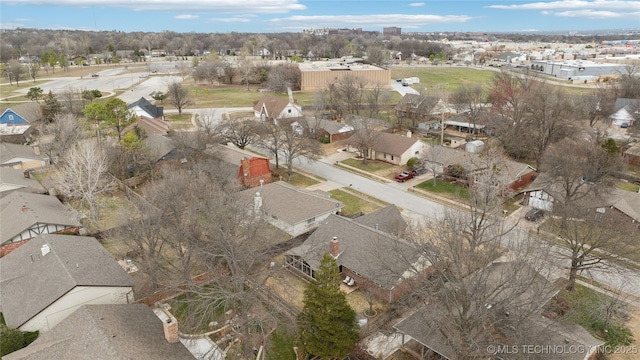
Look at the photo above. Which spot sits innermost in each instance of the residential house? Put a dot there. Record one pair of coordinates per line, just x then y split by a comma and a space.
25, 215
625, 111
129, 331
22, 156
254, 171
515, 174
620, 206
462, 124
160, 147
416, 107
377, 261
293, 210
51, 276
632, 154
271, 108
504, 303
150, 117
18, 180
322, 128
17, 123
391, 148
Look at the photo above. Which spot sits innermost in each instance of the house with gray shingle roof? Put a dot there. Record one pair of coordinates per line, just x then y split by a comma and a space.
379, 262
49, 277
625, 111
391, 148
18, 180
21, 156
130, 331
293, 210
150, 117
25, 215
322, 128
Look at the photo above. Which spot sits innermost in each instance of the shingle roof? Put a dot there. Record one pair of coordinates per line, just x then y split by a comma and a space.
22, 210
387, 219
331, 127
130, 331
393, 144
373, 254
417, 104
633, 150
153, 110
159, 146
10, 151
30, 281
289, 203
272, 105
15, 178
29, 111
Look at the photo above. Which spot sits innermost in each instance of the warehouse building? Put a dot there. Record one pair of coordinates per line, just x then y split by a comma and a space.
319, 75
576, 69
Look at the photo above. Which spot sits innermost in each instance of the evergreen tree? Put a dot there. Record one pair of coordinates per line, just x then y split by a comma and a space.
51, 107
327, 324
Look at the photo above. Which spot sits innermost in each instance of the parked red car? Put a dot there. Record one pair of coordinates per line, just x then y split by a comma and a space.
404, 176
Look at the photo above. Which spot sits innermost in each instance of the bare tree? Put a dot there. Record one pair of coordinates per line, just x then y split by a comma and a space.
578, 175
432, 160
364, 136
598, 106
350, 90
295, 146
470, 100
14, 71
209, 71
84, 178
377, 55
178, 96
376, 97
240, 132
57, 137
272, 139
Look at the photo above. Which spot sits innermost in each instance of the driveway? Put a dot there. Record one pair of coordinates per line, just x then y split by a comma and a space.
403, 90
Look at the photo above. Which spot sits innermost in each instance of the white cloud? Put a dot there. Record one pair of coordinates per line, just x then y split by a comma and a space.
224, 6
597, 14
574, 4
302, 22
417, 4
186, 17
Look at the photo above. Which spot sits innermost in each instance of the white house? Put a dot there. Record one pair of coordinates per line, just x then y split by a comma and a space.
49, 277
625, 111
271, 108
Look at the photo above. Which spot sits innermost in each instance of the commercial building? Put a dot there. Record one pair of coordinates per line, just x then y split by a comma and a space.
319, 75
576, 69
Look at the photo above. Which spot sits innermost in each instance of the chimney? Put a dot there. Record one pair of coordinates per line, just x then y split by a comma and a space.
27, 174
334, 247
170, 325
36, 150
409, 133
257, 203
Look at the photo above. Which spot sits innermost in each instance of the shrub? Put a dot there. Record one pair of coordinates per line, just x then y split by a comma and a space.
325, 140
412, 162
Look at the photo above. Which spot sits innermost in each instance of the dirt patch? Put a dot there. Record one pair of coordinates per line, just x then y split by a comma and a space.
634, 349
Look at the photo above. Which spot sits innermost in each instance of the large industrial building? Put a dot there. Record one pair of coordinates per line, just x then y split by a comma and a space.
319, 75
576, 69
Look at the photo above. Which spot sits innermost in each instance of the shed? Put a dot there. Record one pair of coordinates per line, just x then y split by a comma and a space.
476, 146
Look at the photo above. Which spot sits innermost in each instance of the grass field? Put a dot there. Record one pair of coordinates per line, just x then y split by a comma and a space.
448, 78
448, 190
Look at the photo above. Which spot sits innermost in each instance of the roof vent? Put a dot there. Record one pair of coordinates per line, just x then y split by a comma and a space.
45, 249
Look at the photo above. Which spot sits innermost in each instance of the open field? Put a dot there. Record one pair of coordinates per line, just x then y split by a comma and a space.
448, 78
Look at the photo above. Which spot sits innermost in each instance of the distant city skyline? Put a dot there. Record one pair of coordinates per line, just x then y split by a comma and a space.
269, 16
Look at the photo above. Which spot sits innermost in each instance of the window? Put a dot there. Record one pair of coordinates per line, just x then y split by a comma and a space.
11, 117
391, 157
384, 156
311, 220
289, 111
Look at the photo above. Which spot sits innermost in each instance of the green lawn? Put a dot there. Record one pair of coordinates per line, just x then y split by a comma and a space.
627, 186
353, 203
448, 190
585, 307
371, 166
450, 78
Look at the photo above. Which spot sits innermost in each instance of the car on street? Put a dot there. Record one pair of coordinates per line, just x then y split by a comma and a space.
534, 215
95, 75
404, 176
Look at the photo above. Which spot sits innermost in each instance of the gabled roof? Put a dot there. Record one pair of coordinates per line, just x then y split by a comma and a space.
373, 254
634, 150
393, 144
9, 152
30, 281
289, 203
159, 146
153, 126
123, 331
627, 104
15, 178
387, 219
21, 210
28, 113
331, 127
271, 106
417, 104
151, 110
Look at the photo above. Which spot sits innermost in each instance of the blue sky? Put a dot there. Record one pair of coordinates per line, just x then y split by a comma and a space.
294, 15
